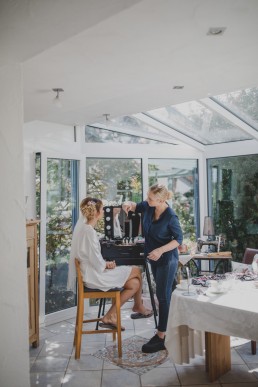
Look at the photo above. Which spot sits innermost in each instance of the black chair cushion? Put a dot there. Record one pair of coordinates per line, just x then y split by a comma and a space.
89, 290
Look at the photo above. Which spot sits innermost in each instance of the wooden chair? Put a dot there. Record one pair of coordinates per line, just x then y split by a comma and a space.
248, 259
83, 293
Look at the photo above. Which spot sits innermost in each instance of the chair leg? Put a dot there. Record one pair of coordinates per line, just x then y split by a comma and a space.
76, 325
253, 347
78, 329
104, 304
114, 333
99, 312
118, 313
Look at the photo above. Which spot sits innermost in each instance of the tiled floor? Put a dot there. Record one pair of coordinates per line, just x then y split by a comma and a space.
53, 363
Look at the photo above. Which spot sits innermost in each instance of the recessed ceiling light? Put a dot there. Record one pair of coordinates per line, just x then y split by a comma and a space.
178, 87
216, 30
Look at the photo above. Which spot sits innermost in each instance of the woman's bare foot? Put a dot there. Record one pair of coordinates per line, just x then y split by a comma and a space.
112, 322
141, 309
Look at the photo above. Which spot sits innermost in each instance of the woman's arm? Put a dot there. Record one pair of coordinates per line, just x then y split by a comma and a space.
176, 233
128, 206
155, 254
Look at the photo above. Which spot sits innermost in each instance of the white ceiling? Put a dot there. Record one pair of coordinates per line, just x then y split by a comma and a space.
125, 56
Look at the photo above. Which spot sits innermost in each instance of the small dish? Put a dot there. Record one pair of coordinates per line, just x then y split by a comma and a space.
216, 291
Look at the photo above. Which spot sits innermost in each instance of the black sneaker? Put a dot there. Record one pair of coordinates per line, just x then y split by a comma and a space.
154, 345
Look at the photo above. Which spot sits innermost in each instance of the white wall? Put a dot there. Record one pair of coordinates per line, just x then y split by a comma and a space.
14, 338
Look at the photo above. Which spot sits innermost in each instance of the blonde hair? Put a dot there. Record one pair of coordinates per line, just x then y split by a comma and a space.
161, 192
90, 207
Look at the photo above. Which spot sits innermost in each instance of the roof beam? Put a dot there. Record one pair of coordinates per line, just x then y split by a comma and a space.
149, 136
169, 130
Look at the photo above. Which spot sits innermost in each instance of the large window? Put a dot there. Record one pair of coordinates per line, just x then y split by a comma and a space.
61, 213
233, 193
114, 180
181, 177
61, 216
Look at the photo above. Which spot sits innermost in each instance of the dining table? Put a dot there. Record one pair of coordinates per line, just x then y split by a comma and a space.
214, 261
202, 319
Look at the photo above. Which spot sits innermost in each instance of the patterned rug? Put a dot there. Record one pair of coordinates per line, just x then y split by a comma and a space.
133, 358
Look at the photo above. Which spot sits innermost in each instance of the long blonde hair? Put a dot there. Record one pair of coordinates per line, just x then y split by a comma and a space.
90, 207
161, 192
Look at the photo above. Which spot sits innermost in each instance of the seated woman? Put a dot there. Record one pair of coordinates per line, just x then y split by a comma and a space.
96, 272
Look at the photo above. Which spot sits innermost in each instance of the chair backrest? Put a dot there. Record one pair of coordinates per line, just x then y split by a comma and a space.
79, 276
249, 255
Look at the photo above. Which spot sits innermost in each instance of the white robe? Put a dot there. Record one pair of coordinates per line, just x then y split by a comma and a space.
86, 247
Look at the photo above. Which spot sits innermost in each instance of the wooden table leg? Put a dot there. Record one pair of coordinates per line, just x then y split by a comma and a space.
217, 355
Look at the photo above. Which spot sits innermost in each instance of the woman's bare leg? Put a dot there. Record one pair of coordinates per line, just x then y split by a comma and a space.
138, 305
132, 288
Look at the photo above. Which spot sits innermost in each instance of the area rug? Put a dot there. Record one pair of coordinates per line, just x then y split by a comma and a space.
133, 359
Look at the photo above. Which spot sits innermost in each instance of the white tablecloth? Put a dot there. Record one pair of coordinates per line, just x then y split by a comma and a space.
234, 313
184, 258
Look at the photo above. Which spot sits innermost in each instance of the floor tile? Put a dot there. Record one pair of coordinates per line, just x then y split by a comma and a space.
120, 378
50, 363
125, 335
192, 375
53, 379
56, 349
110, 366
236, 358
253, 369
167, 363
245, 352
82, 378
35, 351
235, 384
86, 363
237, 374
44, 334
214, 384
90, 348
65, 337
160, 377
60, 327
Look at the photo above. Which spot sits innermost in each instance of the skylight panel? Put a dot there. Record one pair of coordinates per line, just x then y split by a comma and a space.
200, 123
242, 103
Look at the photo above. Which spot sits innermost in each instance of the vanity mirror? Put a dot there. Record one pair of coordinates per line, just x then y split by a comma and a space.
119, 226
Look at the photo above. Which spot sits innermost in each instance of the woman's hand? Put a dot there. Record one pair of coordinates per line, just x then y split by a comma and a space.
110, 264
128, 206
154, 255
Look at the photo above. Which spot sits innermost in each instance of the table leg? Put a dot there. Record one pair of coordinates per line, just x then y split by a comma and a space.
151, 294
225, 266
217, 355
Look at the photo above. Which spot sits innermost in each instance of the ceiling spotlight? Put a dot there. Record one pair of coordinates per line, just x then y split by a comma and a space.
56, 101
216, 30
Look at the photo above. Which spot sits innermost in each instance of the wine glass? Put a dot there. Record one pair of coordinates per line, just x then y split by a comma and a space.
188, 293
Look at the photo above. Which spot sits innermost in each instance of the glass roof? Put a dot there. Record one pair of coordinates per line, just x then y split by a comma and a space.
221, 121
243, 103
199, 122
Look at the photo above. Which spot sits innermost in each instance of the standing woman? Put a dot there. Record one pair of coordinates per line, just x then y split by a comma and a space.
98, 273
163, 235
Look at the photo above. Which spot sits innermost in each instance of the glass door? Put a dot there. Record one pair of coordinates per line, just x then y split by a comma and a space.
59, 204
